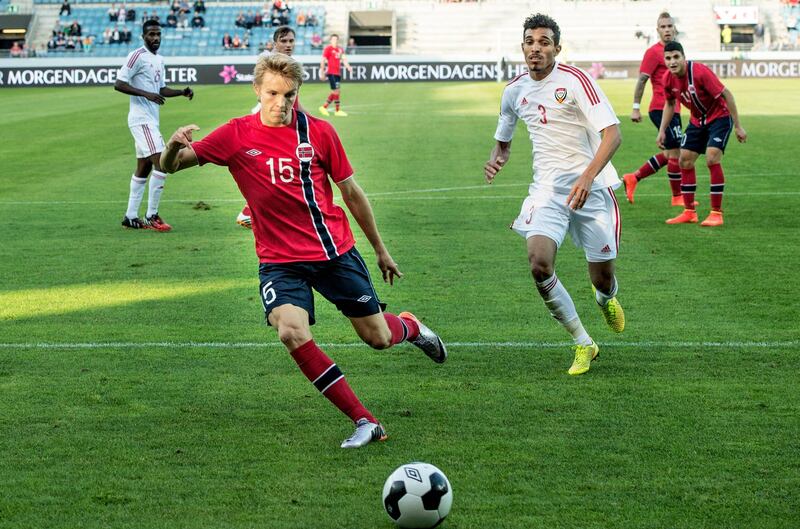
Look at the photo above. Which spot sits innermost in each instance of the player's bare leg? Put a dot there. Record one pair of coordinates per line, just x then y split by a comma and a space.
688, 188
157, 180
605, 293
138, 181
381, 331
294, 331
542, 257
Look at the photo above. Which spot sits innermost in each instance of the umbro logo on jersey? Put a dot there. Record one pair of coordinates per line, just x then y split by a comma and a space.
561, 94
304, 152
524, 101
364, 299
718, 140
253, 152
606, 249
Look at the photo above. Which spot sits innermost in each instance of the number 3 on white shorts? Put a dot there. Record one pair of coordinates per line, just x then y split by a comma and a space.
268, 294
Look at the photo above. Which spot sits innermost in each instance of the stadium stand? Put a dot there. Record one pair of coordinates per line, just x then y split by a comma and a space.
207, 41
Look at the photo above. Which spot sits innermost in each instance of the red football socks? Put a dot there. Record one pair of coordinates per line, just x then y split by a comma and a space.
402, 328
688, 187
717, 186
652, 165
674, 175
329, 380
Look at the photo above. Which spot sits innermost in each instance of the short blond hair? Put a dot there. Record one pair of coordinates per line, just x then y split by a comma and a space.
280, 64
664, 14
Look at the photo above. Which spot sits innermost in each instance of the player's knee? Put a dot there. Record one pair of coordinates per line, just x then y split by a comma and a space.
541, 269
686, 163
713, 159
293, 335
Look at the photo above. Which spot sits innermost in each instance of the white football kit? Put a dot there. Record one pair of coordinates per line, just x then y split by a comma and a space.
144, 70
564, 113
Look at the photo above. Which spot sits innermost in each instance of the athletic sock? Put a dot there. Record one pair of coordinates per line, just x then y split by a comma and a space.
402, 328
135, 196
688, 187
337, 103
329, 380
674, 175
157, 179
602, 298
557, 300
651, 166
330, 100
717, 186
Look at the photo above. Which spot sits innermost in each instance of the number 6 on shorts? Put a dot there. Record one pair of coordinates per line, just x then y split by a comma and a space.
268, 294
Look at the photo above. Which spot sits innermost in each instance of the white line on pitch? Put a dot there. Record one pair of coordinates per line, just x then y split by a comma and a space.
501, 345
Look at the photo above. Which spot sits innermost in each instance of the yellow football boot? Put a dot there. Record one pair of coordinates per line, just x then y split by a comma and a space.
584, 354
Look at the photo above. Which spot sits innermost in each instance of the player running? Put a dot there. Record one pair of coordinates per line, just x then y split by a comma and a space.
143, 78
714, 114
284, 39
282, 161
334, 56
653, 69
575, 133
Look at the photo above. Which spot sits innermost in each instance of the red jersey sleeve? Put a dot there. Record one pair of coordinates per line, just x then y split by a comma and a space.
334, 159
218, 147
649, 62
327, 52
709, 81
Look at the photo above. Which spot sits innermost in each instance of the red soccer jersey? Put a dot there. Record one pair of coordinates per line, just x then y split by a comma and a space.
703, 97
334, 57
283, 173
653, 65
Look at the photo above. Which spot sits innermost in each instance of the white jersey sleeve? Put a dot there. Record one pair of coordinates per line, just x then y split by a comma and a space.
507, 121
594, 104
129, 67
163, 82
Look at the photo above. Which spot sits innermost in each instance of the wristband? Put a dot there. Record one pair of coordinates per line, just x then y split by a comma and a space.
636, 106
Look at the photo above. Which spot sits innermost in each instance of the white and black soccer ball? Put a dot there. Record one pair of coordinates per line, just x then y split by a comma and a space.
417, 496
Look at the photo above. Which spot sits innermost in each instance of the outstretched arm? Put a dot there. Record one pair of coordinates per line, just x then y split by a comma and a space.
741, 135
497, 159
638, 92
171, 92
125, 88
610, 141
358, 204
178, 154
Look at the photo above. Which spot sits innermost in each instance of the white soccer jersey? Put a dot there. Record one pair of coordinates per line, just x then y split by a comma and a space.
143, 70
565, 113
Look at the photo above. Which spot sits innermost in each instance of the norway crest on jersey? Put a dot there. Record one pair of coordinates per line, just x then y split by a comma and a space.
304, 152
561, 94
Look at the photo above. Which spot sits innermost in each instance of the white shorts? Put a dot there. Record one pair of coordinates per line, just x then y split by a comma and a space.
148, 140
595, 227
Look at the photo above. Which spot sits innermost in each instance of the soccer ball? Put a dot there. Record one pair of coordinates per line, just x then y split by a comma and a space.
417, 496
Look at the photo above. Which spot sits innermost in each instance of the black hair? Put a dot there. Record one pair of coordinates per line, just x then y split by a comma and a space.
543, 21
148, 24
674, 46
281, 31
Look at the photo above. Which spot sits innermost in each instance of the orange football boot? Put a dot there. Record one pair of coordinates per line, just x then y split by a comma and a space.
689, 216
630, 182
714, 219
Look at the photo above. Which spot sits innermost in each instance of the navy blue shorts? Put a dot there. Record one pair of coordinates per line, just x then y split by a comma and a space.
674, 131
334, 81
714, 134
344, 281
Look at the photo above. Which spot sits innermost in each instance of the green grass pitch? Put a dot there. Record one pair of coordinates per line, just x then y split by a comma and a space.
113, 413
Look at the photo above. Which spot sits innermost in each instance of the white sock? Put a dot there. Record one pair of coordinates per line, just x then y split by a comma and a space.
603, 298
157, 179
562, 308
135, 196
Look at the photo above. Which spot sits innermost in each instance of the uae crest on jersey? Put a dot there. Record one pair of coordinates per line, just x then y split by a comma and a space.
304, 152
561, 94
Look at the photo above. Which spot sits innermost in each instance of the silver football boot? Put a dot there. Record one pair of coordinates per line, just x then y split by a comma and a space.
428, 341
365, 433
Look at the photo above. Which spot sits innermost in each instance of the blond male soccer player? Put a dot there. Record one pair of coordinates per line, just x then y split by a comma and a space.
653, 69
575, 133
284, 162
714, 116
